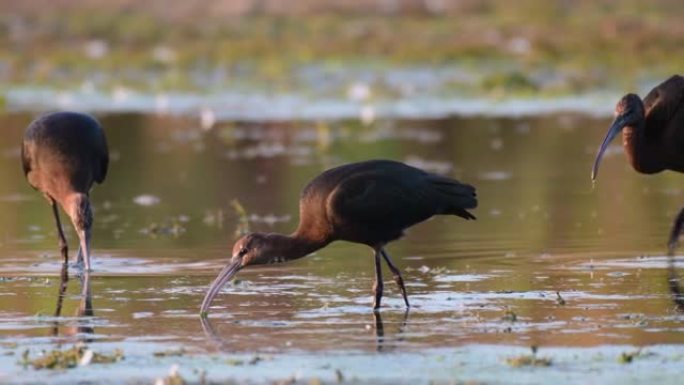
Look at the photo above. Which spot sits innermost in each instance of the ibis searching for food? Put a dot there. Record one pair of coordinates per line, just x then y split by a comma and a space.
63, 155
370, 203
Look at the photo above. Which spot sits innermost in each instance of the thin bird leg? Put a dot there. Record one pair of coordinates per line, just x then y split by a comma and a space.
377, 287
674, 233
397, 276
63, 247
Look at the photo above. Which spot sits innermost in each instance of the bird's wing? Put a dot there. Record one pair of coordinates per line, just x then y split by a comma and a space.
374, 198
104, 160
663, 102
104, 165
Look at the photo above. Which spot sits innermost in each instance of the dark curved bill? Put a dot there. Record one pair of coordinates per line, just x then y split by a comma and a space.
614, 129
224, 276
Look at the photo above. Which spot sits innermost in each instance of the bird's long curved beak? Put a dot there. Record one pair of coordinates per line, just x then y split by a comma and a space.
613, 131
224, 276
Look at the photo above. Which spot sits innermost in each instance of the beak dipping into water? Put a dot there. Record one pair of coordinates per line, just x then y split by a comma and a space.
224, 276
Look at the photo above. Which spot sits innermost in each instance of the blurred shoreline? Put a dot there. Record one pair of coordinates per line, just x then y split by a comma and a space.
359, 52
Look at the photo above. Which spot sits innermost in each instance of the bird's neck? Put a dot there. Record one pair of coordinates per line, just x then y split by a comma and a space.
77, 206
640, 152
290, 247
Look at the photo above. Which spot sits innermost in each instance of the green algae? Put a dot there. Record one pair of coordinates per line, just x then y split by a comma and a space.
78, 355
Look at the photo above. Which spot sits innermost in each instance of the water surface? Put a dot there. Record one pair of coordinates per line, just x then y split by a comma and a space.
578, 271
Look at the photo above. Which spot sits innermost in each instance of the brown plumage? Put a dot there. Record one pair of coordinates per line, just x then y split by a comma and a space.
370, 202
652, 134
63, 155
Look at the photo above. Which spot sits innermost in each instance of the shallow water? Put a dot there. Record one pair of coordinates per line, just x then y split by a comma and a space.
550, 262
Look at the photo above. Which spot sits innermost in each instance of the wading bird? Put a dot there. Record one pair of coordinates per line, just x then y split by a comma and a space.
63, 154
370, 203
652, 135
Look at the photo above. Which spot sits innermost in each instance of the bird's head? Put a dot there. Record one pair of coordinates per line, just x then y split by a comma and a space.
257, 249
629, 111
251, 249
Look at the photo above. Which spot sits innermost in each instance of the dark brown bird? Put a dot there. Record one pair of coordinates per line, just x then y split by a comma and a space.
63, 154
652, 134
370, 202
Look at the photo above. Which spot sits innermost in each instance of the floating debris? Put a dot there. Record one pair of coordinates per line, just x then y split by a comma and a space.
252, 361
146, 200
269, 219
560, 300
173, 228
628, 357
528, 360
269, 150
174, 377
509, 315
358, 92
78, 355
207, 118
170, 352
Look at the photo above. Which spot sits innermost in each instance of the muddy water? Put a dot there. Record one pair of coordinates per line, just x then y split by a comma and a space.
551, 261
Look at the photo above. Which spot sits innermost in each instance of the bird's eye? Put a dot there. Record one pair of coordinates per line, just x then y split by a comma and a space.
243, 251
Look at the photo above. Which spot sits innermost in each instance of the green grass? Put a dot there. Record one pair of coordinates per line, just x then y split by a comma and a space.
591, 41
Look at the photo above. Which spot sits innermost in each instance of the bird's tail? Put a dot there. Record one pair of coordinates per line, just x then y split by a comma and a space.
459, 196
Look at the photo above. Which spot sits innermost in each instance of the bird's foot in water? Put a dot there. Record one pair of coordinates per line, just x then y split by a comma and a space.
81, 269
672, 247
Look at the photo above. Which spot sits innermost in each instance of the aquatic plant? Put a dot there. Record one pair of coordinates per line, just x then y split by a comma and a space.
78, 355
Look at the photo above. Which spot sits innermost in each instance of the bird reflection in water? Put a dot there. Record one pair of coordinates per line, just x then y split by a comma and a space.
673, 283
382, 341
85, 307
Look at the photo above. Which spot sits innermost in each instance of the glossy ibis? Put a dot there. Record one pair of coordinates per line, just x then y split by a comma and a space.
369, 202
652, 134
63, 154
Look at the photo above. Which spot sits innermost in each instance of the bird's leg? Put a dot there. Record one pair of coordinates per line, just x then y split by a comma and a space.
674, 233
63, 247
377, 287
79, 257
397, 276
